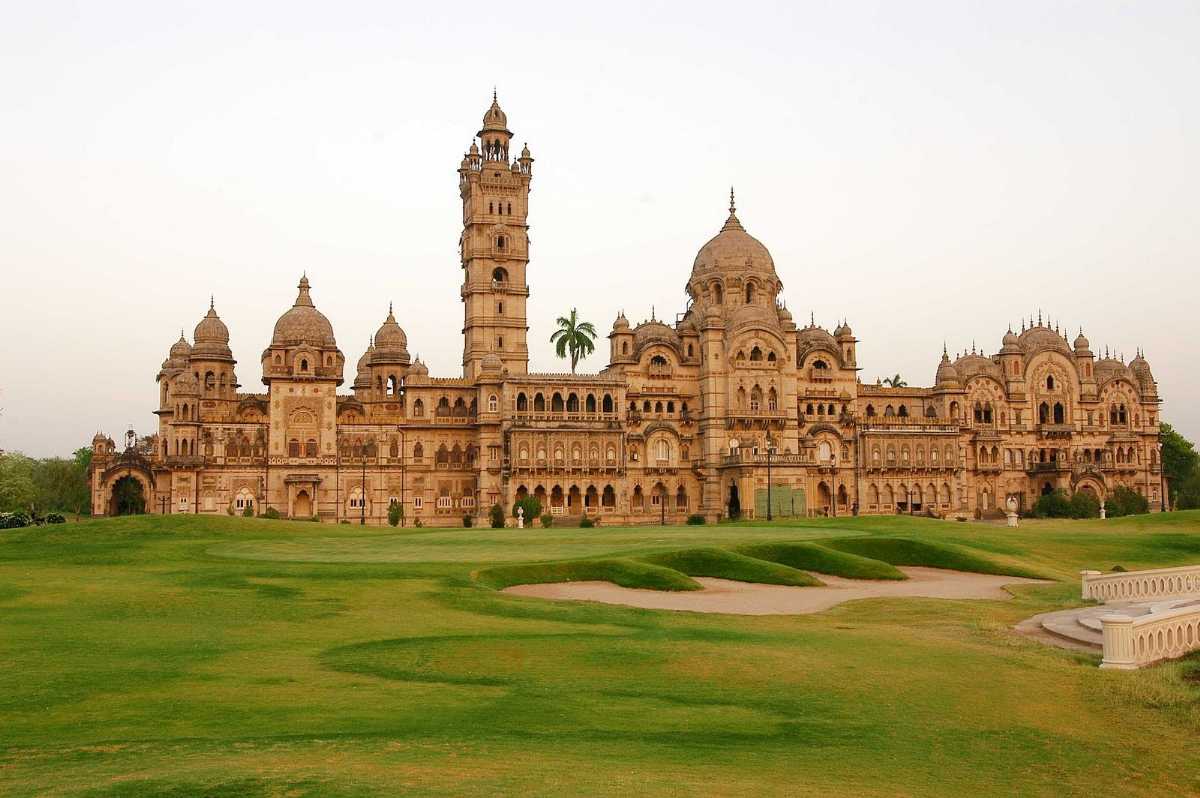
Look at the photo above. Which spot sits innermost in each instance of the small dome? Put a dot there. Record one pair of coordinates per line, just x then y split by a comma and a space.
947, 375
843, 331
621, 322
181, 349
525, 151
1082, 344
494, 118
1010, 344
303, 323
212, 336
784, 314
391, 344
362, 379
419, 368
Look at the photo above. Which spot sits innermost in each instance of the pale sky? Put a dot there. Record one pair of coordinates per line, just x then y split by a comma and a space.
930, 171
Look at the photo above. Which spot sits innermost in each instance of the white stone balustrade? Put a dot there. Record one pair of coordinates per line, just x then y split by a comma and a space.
1156, 614
1132, 642
1160, 583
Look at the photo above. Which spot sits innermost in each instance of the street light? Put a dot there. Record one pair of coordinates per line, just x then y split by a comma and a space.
1162, 477
362, 498
770, 451
833, 479
403, 446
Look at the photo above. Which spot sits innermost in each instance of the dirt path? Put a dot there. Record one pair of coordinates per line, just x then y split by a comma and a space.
744, 598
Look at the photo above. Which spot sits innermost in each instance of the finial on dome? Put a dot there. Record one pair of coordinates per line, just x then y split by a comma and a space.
732, 206
494, 93
652, 317
812, 319
303, 298
1039, 317
212, 301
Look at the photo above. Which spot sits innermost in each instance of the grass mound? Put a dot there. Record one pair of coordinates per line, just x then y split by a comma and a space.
903, 551
812, 557
619, 571
725, 564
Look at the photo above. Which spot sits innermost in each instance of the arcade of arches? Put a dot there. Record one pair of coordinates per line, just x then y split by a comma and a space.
691, 416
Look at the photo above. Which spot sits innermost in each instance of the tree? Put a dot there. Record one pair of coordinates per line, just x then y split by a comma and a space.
1125, 501
533, 508
496, 516
17, 490
574, 337
895, 382
395, 513
1180, 461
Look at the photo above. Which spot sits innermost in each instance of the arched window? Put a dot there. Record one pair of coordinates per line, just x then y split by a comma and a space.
756, 355
1050, 382
1044, 413
499, 275
303, 364
589, 404
772, 401
556, 403
771, 357
572, 403
522, 402
418, 408
607, 405
539, 403
749, 293
756, 399
1059, 413
493, 403
741, 398
903, 411
500, 242
310, 448
718, 294
870, 411
889, 411
293, 448
664, 451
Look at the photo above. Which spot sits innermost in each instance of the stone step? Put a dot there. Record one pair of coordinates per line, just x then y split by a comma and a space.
1066, 624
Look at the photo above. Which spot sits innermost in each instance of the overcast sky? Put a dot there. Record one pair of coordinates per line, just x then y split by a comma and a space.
930, 171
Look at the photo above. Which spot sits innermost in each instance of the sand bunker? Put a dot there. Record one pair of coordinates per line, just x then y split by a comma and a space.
744, 598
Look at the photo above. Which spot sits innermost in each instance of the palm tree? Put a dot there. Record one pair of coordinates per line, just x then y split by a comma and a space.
895, 382
574, 337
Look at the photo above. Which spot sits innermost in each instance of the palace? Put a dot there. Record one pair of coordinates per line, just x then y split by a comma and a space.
734, 410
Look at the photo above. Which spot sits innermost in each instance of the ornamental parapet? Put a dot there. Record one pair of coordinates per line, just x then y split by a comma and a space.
1141, 585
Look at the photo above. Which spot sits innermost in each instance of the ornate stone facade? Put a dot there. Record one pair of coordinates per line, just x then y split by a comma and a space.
733, 409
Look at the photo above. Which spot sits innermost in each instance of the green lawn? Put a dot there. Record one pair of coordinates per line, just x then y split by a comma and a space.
194, 656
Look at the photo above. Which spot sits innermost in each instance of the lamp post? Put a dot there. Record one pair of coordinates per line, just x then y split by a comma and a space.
770, 451
403, 446
362, 498
833, 479
1162, 477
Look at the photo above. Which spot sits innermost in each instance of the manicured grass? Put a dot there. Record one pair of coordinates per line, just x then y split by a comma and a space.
904, 551
725, 564
217, 656
824, 560
623, 572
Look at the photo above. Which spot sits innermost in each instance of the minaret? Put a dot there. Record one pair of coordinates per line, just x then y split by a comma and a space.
494, 247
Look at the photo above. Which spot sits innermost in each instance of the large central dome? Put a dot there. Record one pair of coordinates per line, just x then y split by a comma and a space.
303, 323
734, 252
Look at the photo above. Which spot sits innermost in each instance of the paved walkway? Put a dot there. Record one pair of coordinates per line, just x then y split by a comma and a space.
1080, 628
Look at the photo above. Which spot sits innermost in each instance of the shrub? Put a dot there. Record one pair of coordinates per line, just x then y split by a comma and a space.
248, 512
496, 516
316, 519
229, 509
395, 513
533, 508
1125, 501
585, 523
695, 519
1118, 569
1053, 505
1084, 505
271, 512
344, 521
417, 523
468, 520
55, 518
547, 520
